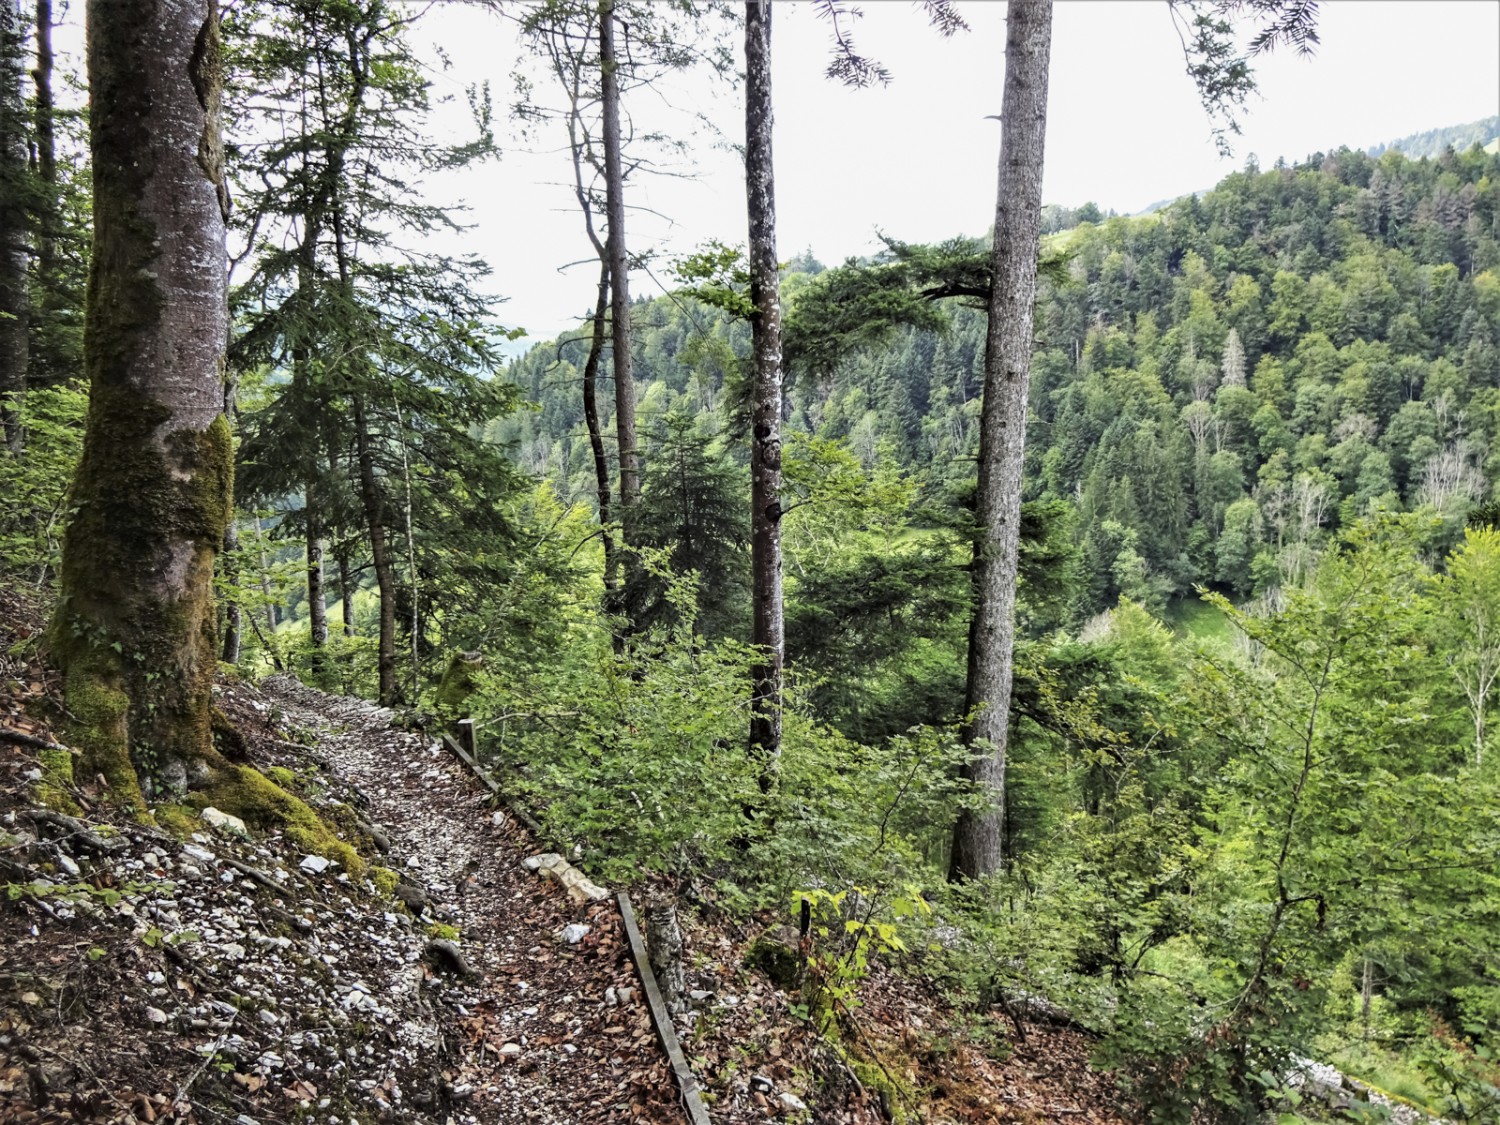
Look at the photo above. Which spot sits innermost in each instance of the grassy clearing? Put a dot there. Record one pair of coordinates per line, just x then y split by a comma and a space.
1199, 621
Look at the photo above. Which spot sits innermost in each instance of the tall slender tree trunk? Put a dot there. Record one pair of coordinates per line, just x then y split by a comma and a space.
47, 366
135, 626
229, 652
15, 225
978, 838
619, 276
45, 114
317, 599
267, 595
576, 145
768, 632
312, 500
380, 555
596, 439
346, 592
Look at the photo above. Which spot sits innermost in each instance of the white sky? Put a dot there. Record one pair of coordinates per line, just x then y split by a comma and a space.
917, 159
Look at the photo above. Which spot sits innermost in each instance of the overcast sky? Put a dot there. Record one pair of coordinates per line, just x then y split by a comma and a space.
918, 158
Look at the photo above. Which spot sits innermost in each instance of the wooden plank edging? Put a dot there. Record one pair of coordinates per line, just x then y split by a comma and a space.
692, 1099
661, 1019
492, 785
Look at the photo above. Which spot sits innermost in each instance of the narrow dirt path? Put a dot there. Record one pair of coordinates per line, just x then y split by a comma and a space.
555, 1032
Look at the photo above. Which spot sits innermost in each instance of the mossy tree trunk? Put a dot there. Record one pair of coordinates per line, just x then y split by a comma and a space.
134, 630
15, 223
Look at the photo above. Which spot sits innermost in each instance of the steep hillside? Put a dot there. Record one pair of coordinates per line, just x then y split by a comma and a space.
1215, 387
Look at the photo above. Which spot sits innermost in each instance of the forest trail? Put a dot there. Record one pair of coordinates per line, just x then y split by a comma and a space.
547, 1035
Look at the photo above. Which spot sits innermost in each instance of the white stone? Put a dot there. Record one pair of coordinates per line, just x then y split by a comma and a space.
315, 864
573, 933
224, 822
793, 1103
156, 1015
202, 855
510, 1050
69, 864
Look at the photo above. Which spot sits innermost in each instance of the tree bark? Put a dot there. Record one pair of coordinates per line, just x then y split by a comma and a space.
768, 633
230, 651
619, 276
596, 439
346, 592
664, 951
317, 600
15, 225
380, 555
134, 630
978, 838
49, 365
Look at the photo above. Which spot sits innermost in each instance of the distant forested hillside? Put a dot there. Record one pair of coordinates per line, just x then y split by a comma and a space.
1217, 386
1460, 138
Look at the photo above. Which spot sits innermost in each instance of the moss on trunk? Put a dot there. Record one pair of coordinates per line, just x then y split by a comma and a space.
140, 655
458, 685
55, 787
135, 626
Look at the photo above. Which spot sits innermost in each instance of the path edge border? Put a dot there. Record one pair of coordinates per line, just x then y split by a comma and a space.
687, 1084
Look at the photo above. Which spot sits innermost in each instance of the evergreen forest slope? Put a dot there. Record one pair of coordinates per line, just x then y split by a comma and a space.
1217, 387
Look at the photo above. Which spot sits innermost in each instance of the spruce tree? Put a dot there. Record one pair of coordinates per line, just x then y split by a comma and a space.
385, 343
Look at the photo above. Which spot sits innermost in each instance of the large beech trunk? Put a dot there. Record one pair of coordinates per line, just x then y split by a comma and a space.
768, 632
978, 838
134, 630
619, 277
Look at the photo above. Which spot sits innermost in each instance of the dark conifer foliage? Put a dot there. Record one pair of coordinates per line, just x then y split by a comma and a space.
376, 347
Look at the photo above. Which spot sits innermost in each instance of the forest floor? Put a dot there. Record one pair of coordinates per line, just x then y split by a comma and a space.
204, 975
